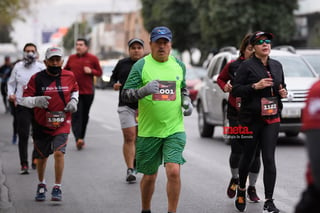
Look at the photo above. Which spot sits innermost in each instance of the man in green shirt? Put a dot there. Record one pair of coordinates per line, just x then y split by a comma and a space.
157, 81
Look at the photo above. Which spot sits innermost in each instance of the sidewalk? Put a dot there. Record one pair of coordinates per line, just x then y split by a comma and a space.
5, 137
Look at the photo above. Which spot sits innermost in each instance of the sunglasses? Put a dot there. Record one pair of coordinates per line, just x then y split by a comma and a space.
261, 41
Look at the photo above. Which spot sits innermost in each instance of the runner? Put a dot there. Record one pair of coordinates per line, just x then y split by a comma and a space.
53, 93
128, 111
157, 82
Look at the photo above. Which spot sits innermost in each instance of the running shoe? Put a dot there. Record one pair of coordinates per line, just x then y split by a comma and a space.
240, 202
131, 178
252, 194
232, 187
41, 192
270, 207
56, 194
24, 170
14, 139
80, 144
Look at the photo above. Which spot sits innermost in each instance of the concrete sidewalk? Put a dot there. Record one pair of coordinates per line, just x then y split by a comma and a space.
5, 140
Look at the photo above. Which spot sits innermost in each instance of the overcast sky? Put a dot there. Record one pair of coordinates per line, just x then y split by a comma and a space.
50, 14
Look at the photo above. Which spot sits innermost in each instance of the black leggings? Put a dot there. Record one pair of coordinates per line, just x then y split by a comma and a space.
24, 119
4, 91
265, 136
237, 149
81, 117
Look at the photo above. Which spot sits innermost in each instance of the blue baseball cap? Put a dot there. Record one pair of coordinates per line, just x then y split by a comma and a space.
160, 32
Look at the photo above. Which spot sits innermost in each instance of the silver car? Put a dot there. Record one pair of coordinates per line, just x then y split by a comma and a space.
212, 101
312, 56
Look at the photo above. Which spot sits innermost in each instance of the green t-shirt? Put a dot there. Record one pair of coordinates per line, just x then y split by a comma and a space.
160, 115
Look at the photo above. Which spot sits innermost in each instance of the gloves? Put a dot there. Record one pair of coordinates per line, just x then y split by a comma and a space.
41, 101
72, 106
151, 88
187, 105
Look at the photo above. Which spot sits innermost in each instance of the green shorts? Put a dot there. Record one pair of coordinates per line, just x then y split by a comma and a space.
151, 151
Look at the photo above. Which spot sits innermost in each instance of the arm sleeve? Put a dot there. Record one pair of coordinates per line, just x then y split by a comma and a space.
114, 77
28, 99
75, 90
96, 71
12, 84
223, 77
129, 93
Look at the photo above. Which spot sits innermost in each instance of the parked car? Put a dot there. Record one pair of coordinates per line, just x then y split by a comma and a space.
312, 56
212, 101
107, 66
194, 77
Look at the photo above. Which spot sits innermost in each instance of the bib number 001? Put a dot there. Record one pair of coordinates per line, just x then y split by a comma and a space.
167, 91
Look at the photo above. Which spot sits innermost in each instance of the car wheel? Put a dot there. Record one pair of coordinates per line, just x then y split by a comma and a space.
225, 124
205, 129
292, 134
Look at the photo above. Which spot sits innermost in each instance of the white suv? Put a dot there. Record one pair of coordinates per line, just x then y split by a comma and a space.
312, 56
212, 101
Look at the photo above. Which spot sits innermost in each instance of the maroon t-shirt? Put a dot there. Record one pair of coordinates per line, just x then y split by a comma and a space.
311, 112
59, 88
76, 64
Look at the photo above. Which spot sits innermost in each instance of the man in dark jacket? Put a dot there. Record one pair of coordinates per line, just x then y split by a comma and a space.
128, 111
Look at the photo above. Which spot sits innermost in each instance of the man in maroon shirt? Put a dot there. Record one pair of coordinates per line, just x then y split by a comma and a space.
53, 95
84, 66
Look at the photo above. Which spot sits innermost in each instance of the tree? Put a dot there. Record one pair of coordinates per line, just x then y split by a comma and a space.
68, 39
209, 24
179, 16
10, 11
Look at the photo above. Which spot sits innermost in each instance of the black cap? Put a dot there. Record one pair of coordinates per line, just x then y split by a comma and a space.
135, 40
258, 34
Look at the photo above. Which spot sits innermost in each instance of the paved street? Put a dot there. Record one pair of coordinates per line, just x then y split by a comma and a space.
94, 178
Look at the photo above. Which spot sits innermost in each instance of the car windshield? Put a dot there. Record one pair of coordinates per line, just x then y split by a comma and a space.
294, 66
314, 61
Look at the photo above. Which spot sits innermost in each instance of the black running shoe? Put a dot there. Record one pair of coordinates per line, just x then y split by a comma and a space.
240, 202
269, 207
252, 194
41, 192
131, 177
56, 194
232, 187
24, 170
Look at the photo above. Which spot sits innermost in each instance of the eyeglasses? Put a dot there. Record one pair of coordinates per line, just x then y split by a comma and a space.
261, 41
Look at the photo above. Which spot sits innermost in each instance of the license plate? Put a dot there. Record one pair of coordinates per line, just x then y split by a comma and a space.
291, 113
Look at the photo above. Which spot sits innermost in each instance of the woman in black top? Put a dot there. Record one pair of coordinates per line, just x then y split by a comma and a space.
260, 83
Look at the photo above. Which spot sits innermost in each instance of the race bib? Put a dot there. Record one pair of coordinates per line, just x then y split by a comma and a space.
55, 119
269, 106
167, 91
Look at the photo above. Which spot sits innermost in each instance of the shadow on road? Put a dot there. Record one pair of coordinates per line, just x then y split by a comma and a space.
292, 141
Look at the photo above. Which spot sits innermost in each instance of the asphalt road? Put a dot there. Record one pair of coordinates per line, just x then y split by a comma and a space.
94, 178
